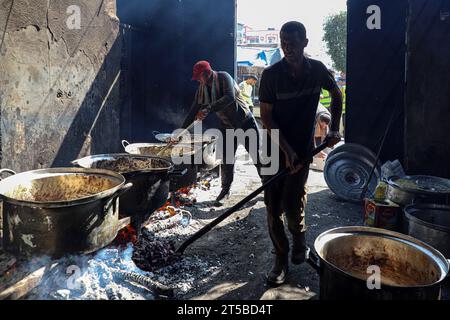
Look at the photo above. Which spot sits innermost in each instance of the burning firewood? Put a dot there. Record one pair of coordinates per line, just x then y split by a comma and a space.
169, 218
125, 236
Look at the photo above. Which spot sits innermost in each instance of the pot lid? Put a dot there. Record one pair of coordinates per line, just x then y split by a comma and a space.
347, 172
355, 149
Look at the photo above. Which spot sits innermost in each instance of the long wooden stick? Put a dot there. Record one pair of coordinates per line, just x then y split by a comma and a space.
241, 203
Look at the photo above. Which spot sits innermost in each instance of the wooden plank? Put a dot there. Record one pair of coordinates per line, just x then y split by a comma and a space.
20, 288
6, 263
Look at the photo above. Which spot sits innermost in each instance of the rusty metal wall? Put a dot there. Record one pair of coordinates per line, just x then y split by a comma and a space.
59, 81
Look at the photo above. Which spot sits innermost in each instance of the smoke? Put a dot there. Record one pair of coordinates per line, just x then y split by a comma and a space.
173, 116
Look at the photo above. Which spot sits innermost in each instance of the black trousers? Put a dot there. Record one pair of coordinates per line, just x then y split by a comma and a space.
228, 168
287, 195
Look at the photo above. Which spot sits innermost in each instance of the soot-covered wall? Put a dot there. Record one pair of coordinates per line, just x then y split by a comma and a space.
59, 81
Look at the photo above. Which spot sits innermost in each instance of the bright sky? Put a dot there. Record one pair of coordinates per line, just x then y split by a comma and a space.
263, 14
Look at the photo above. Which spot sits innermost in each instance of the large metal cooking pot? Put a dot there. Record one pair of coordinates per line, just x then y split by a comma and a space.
61, 211
429, 223
178, 151
409, 190
410, 269
208, 144
150, 178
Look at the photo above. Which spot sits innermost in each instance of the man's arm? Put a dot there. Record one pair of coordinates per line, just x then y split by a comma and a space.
335, 108
270, 124
336, 111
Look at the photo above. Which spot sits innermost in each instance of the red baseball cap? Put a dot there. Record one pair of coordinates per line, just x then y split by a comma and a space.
199, 68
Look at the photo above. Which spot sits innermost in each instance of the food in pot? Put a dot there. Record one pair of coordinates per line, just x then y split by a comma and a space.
130, 164
175, 151
65, 187
399, 265
193, 138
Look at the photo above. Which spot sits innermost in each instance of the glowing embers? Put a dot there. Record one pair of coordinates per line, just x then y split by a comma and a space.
152, 253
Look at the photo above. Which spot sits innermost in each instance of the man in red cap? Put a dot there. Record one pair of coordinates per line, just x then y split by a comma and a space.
219, 93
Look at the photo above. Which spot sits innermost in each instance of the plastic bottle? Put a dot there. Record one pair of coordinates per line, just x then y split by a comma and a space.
380, 191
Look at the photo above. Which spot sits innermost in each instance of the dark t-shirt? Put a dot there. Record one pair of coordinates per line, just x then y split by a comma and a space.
295, 101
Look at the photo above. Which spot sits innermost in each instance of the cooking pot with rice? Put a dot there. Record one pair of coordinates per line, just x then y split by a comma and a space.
207, 142
185, 157
375, 264
149, 175
61, 210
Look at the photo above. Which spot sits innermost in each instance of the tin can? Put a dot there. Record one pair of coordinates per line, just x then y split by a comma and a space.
382, 214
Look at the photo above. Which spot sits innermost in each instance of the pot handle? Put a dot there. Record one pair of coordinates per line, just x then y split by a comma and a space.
125, 143
11, 172
123, 223
314, 260
177, 172
155, 133
123, 189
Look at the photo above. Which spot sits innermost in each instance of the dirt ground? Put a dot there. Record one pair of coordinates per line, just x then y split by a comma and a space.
242, 245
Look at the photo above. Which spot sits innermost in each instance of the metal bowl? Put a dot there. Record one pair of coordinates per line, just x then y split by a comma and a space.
430, 223
409, 190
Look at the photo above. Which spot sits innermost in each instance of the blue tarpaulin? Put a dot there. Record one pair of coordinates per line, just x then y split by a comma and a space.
247, 56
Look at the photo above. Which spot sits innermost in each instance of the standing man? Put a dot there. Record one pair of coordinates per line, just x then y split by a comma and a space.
289, 95
246, 88
219, 93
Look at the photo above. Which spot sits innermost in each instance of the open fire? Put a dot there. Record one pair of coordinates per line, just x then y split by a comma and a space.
129, 268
